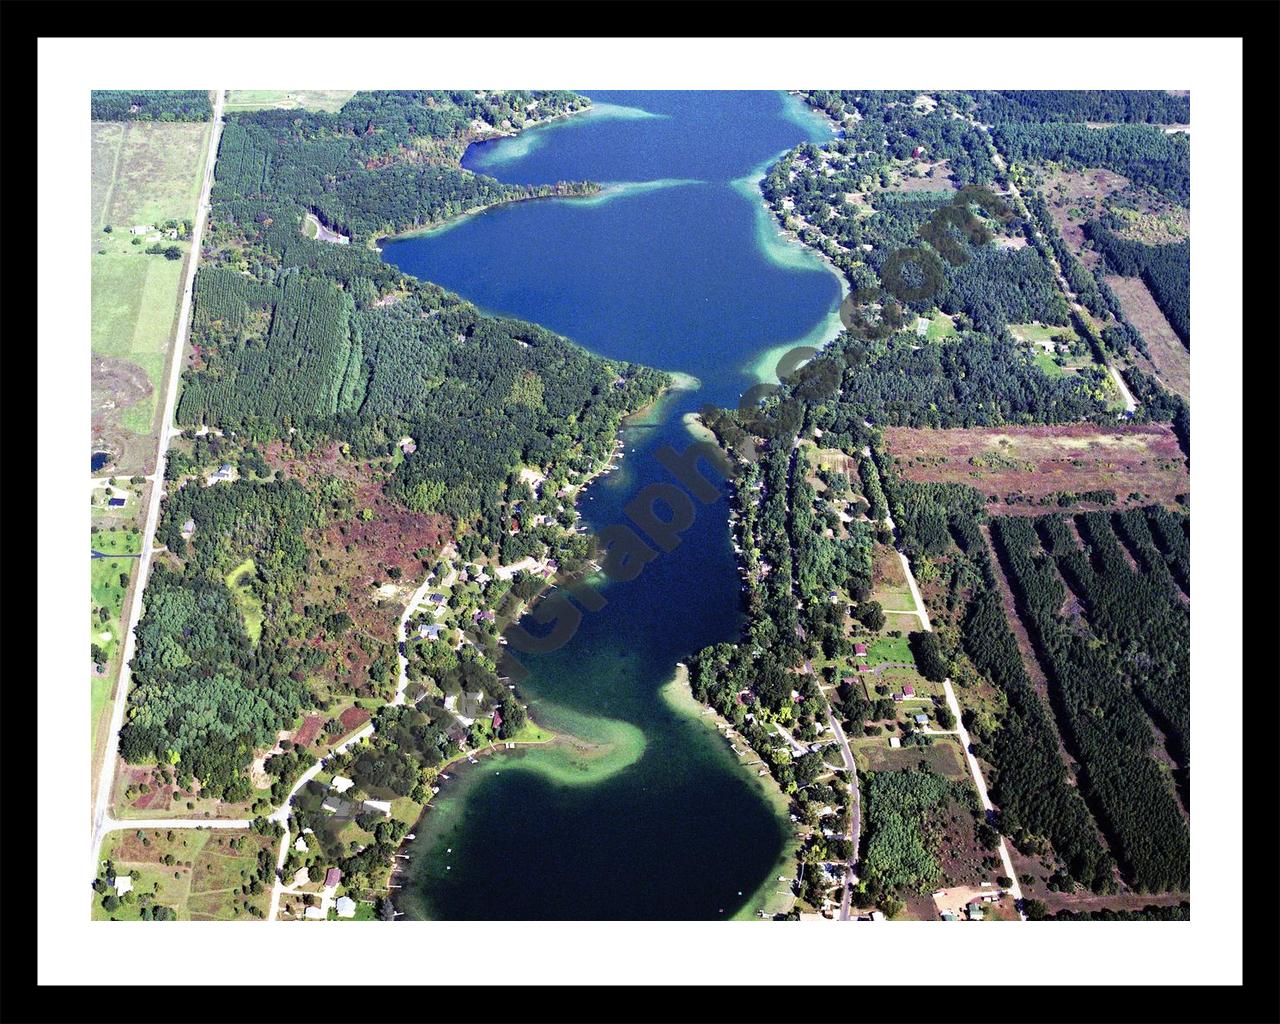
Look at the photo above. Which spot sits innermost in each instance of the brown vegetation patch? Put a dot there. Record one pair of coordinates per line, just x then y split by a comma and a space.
353, 718
1016, 467
935, 179
1074, 197
308, 731
369, 557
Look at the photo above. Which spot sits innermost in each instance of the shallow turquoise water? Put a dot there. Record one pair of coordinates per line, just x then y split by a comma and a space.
678, 268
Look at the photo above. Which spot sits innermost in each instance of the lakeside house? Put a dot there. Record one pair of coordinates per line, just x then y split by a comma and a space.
382, 806
497, 719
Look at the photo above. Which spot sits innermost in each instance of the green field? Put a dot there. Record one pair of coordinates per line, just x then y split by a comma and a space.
240, 580
116, 542
142, 174
106, 591
888, 648
290, 99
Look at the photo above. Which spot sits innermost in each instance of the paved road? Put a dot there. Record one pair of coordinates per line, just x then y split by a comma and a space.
855, 817
106, 774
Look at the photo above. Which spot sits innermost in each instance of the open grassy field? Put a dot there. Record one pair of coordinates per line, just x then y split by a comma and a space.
1035, 462
888, 581
142, 174
1169, 357
291, 99
205, 880
239, 580
107, 590
943, 755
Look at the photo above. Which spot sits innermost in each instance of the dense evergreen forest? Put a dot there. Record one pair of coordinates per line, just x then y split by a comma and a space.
1129, 106
1038, 803
1166, 269
330, 341
150, 105
1142, 153
386, 162
1101, 688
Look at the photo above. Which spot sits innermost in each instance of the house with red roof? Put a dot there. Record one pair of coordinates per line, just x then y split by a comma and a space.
332, 877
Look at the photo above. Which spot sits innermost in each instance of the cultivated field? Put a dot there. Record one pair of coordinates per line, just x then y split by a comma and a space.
293, 99
1169, 357
143, 174
1018, 467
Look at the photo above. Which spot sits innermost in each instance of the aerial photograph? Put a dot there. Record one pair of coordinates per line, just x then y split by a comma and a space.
542, 505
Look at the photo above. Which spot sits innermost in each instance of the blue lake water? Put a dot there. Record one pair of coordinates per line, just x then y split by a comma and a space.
678, 265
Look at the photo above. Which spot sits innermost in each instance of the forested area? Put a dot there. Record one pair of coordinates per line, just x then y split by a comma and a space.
303, 346
1142, 153
1166, 270
903, 834
1151, 106
150, 105
386, 162
202, 697
1109, 727
1037, 802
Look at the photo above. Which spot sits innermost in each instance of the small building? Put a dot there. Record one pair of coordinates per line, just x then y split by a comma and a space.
948, 916
917, 152
140, 229
115, 502
922, 719
896, 696
497, 719
345, 906
300, 845
124, 884
314, 914
431, 631
975, 911
894, 743
877, 915
382, 806
332, 877
908, 691
436, 599
863, 667
301, 877
860, 650
922, 326
340, 784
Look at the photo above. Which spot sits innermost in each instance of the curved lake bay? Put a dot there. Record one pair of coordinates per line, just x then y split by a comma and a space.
641, 811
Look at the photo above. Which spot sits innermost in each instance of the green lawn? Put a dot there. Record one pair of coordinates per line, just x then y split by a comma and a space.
107, 591
240, 580
888, 648
116, 542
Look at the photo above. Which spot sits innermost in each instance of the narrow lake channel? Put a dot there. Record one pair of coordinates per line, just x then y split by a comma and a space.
678, 265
